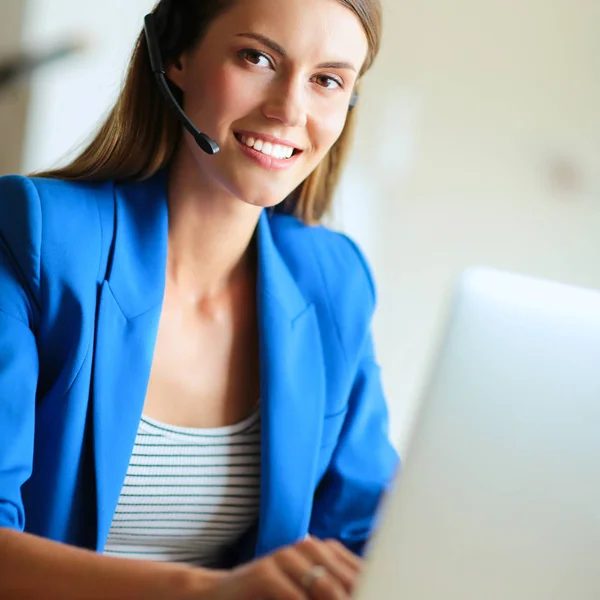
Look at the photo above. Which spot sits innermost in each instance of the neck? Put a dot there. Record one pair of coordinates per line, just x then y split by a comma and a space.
210, 234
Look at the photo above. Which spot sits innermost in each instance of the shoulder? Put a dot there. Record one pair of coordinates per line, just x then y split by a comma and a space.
50, 228
341, 262
332, 273
53, 195
28, 200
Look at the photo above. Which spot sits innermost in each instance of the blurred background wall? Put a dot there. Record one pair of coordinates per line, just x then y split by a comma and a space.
479, 142
14, 101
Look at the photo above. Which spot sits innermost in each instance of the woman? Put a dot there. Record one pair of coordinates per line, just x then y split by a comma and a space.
186, 366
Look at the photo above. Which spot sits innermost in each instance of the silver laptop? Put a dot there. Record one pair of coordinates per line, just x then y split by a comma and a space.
499, 496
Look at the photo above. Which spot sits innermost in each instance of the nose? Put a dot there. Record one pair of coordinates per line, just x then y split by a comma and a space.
286, 103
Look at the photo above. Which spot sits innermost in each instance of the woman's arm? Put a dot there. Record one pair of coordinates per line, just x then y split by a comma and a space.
362, 466
32, 568
364, 461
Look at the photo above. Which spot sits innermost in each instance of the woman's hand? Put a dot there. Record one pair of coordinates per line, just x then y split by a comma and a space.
311, 569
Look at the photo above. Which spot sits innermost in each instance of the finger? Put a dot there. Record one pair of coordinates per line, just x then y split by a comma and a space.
294, 563
318, 553
267, 581
353, 561
298, 566
327, 587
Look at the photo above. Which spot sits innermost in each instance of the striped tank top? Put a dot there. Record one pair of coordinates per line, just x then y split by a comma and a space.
189, 494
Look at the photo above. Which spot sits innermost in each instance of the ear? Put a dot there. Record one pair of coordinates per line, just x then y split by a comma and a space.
176, 71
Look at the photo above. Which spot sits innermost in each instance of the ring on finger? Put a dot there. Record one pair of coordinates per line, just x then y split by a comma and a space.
314, 573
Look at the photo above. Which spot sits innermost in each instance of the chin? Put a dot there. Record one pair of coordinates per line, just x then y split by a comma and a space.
261, 200
262, 196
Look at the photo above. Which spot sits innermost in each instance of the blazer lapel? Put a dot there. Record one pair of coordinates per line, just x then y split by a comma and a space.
292, 396
127, 323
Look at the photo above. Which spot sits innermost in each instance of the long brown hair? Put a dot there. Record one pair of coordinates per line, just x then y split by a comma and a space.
141, 134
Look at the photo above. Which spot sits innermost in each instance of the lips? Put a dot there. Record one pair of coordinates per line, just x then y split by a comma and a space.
268, 145
266, 154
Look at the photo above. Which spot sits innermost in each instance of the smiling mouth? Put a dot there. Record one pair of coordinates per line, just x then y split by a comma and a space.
278, 151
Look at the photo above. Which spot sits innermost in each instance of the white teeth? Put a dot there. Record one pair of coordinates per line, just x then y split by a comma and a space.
280, 152
275, 150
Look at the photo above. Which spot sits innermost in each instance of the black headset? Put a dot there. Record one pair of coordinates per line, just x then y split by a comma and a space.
206, 143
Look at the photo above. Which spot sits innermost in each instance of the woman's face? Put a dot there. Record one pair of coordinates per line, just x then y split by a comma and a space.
271, 78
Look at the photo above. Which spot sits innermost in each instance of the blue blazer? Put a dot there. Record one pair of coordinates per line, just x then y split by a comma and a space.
82, 276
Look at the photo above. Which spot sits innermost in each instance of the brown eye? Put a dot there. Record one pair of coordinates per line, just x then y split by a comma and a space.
255, 57
328, 82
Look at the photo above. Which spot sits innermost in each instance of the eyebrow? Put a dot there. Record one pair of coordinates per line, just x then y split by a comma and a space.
269, 43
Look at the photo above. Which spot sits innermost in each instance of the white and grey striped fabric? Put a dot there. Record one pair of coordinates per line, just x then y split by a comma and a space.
189, 493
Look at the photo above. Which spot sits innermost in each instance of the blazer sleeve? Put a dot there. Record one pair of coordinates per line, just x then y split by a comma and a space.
364, 461
20, 241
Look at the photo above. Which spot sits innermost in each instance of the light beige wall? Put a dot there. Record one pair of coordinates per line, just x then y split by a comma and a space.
14, 100
479, 143
71, 96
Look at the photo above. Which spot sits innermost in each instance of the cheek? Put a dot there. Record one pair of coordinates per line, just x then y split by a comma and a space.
220, 86
220, 95
326, 131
